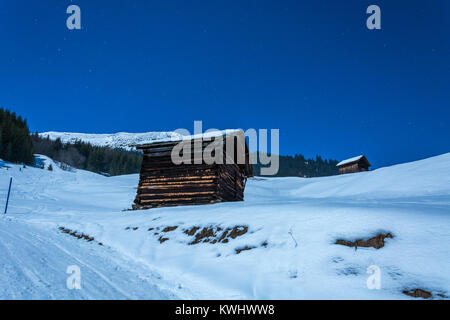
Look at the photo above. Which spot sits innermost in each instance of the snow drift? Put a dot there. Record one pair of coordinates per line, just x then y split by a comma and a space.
281, 241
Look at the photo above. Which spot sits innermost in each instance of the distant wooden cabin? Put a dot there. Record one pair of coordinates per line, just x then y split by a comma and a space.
165, 183
355, 164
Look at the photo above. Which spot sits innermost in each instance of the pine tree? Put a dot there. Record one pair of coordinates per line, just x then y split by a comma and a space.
15, 139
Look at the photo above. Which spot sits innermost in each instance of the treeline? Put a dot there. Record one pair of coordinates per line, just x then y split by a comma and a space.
299, 166
17, 145
82, 155
15, 141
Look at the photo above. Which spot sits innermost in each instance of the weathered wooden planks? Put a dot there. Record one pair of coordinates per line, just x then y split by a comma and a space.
359, 164
165, 183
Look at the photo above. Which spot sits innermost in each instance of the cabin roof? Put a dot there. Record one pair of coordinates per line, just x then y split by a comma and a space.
352, 160
177, 137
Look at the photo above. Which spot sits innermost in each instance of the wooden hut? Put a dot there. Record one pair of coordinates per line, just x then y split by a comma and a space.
355, 164
199, 179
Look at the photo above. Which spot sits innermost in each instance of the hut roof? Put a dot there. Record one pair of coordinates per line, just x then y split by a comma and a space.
353, 160
177, 138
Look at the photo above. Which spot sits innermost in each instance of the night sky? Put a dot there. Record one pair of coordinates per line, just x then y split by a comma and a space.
309, 68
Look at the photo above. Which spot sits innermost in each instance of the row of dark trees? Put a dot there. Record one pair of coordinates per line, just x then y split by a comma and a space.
299, 166
15, 141
18, 146
85, 156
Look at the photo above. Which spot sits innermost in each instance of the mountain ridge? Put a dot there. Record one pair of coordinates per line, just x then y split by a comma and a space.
121, 140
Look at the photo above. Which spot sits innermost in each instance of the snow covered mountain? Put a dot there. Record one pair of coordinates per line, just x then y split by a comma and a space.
121, 140
280, 243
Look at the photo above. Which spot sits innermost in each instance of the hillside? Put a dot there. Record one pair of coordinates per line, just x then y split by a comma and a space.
280, 242
289, 166
121, 140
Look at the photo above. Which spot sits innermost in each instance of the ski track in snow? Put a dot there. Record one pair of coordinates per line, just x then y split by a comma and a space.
34, 264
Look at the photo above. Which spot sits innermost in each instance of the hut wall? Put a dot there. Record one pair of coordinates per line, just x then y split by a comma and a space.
164, 183
352, 168
231, 183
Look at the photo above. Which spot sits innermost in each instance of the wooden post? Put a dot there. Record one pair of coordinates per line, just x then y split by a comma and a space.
7, 198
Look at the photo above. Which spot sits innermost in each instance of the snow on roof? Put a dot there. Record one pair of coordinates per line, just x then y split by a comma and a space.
127, 140
212, 134
350, 160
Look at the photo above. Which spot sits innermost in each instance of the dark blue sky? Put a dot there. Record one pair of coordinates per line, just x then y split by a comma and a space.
310, 68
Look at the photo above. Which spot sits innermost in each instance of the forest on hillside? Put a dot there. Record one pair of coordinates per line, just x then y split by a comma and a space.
82, 155
17, 145
299, 166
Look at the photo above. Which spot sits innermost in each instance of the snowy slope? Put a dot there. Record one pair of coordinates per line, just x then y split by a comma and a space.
291, 225
34, 262
115, 140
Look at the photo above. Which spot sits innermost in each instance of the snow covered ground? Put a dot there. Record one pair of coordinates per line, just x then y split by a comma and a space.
282, 244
